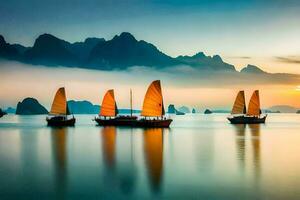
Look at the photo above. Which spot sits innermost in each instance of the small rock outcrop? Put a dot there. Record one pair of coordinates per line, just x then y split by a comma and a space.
252, 69
10, 110
171, 109
2, 113
184, 109
207, 111
30, 106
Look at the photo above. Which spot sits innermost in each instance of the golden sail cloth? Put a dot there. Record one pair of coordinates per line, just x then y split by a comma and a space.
254, 104
109, 106
239, 106
153, 105
59, 105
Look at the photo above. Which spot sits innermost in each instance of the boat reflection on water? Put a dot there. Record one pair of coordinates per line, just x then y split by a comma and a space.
127, 169
255, 134
240, 130
153, 149
121, 172
243, 154
59, 154
109, 146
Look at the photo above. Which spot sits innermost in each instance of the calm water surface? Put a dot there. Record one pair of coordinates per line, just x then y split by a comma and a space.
199, 157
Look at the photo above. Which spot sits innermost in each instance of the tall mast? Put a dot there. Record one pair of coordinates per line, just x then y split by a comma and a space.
130, 102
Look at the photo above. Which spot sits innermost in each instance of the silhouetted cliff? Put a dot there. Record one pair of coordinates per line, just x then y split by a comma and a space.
30, 106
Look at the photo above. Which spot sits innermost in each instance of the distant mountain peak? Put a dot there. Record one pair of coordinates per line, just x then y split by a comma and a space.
252, 69
93, 40
124, 37
45, 38
199, 55
125, 51
8, 51
201, 61
127, 35
2, 40
50, 51
217, 58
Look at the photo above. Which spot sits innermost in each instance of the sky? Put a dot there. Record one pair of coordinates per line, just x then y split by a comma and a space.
263, 33
180, 86
242, 32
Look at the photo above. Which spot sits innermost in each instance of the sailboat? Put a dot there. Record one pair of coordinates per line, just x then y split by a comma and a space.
153, 108
239, 113
58, 115
108, 115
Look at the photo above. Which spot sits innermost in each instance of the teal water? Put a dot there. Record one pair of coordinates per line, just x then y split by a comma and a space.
199, 157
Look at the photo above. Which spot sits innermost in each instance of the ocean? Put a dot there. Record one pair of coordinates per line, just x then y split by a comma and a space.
198, 157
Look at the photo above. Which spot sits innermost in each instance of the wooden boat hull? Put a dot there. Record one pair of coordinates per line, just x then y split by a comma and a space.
118, 121
247, 119
59, 122
134, 122
159, 123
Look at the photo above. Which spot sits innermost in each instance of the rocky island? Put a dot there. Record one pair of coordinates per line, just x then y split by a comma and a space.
30, 106
207, 111
2, 113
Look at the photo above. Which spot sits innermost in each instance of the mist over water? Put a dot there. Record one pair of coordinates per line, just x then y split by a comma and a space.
182, 85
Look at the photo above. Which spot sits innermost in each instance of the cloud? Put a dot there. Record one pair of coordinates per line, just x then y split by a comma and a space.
181, 84
289, 59
177, 76
241, 57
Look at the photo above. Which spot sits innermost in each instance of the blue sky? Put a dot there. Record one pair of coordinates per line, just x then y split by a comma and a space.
259, 30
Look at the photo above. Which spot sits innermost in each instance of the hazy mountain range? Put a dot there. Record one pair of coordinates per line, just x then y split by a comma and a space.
284, 109
120, 52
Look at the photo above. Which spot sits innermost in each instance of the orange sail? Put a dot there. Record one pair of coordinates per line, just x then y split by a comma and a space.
239, 106
153, 105
254, 104
59, 105
108, 106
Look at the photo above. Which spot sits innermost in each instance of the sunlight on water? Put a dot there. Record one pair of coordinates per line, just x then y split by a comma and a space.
200, 156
